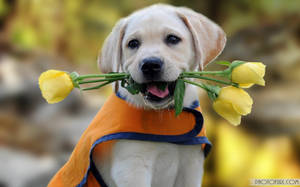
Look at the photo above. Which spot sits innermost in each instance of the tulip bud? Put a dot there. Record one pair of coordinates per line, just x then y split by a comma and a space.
249, 73
55, 85
232, 103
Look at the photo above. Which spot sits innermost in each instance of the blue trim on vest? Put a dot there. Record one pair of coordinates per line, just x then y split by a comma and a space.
195, 104
97, 174
188, 138
118, 94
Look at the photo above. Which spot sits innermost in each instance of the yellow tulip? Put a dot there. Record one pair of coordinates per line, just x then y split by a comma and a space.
55, 85
232, 103
248, 74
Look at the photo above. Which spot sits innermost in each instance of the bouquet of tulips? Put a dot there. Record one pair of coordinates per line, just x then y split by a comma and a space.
231, 102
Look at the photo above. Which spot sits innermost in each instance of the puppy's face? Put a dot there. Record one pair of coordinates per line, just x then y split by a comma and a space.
156, 44
155, 51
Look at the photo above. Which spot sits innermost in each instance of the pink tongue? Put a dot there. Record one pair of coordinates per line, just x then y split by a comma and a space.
157, 92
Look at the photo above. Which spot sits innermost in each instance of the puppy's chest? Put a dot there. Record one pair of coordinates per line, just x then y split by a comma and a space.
164, 162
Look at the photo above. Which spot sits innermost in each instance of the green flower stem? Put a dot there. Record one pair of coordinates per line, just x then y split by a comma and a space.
225, 73
109, 75
99, 80
205, 73
208, 78
212, 93
201, 85
97, 87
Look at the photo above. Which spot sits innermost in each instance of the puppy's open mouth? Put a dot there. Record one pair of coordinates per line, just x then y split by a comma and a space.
158, 91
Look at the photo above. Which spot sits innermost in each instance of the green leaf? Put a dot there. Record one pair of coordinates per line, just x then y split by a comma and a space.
225, 63
74, 75
213, 88
178, 96
236, 63
211, 95
212, 91
132, 86
161, 85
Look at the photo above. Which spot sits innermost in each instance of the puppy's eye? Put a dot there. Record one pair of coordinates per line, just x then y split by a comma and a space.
133, 44
172, 39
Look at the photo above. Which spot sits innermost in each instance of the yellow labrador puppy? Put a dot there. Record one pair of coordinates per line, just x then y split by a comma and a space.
157, 44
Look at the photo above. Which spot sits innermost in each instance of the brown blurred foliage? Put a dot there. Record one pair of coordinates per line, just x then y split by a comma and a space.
37, 138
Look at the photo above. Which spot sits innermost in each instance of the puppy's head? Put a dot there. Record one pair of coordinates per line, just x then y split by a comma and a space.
156, 44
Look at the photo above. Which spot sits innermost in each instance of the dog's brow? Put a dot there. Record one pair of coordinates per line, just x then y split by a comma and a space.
133, 35
171, 30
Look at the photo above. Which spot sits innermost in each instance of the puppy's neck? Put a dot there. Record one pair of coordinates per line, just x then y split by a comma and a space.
191, 95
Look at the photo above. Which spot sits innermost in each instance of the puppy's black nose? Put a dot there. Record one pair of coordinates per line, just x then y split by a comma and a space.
151, 67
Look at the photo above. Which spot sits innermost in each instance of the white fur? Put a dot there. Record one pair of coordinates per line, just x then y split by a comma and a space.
149, 164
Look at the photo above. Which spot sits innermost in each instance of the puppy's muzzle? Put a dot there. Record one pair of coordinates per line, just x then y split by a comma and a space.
152, 68
154, 88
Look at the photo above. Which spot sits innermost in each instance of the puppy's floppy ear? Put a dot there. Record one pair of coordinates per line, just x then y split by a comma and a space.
111, 53
209, 38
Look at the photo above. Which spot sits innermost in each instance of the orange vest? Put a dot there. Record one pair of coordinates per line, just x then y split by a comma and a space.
119, 120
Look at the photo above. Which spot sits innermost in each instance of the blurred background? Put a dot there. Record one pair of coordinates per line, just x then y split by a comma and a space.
37, 138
